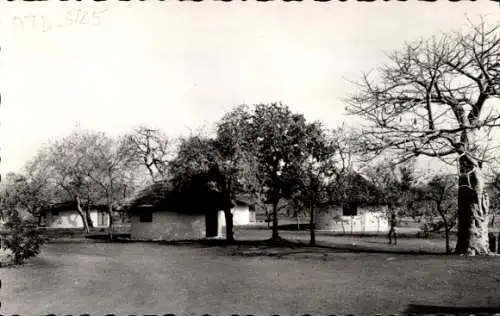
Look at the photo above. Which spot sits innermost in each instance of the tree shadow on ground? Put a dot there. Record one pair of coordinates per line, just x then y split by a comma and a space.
284, 247
413, 309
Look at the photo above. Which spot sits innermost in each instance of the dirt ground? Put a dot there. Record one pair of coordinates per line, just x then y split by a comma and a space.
193, 279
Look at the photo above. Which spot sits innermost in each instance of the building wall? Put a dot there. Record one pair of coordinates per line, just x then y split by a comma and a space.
241, 216
71, 219
366, 221
169, 226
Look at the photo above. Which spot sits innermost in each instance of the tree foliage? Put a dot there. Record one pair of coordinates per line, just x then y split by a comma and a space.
221, 164
316, 173
20, 204
277, 138
88, 168
439, 204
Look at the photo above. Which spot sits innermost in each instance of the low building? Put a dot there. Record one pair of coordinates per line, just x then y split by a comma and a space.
357, 212
362, 220
65, 215
159, 213
243, 214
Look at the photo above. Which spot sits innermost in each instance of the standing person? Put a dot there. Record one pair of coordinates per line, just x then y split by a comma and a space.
392, 229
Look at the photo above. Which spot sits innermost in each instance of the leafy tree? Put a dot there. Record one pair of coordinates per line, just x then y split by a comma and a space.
437, 98
396, 188
277, 137
18, 210
222, 164
195, 169
494, 191
28, 193
315, 174
22, 237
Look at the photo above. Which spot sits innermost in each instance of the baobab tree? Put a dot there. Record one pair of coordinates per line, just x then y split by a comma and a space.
438, 98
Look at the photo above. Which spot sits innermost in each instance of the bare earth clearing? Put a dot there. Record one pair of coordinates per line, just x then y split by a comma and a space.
192, 279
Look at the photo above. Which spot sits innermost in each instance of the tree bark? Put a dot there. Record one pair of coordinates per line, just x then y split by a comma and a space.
275, 235
229, 224
312, 222
447, 238
82, 214
111, 222
473, 208
446, 227
90, 223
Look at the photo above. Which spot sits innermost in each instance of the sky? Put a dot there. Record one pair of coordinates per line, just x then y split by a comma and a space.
179, 66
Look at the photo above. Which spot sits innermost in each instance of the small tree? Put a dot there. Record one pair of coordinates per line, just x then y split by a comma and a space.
441, 192
21, 235
396, 189
315, 176
494, 189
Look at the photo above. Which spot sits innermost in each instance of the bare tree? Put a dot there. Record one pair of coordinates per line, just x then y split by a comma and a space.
112, 171
152, 149
65, 165
437, 98
86, 167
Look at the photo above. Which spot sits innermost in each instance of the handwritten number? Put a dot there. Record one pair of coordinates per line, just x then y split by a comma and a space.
42, 23
72, 16
96, 16
84, 15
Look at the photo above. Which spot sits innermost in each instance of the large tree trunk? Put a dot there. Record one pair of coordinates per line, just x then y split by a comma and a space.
90, 223
275, 235
312, 224
473, 207
83, 215
229, 224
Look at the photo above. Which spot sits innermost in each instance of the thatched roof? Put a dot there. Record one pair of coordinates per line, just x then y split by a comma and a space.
71, 205
359, 190
162, 196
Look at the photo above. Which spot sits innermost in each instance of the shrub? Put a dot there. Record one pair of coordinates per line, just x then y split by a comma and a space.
21, 237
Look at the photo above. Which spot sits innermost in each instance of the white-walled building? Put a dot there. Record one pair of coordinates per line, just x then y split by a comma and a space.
65, 215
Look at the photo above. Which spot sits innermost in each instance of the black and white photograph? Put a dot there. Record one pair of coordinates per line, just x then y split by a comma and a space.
249, 157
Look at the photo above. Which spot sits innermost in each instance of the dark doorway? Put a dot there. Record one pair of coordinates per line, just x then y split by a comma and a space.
211, 224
